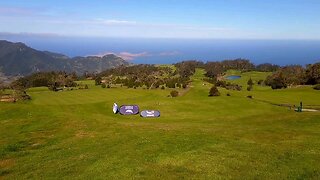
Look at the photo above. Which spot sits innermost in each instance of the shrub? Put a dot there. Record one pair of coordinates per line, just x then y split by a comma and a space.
277, 84
238, 88
21, 95
221, 84
171, 84
210, 80
317, 87
184, 85
214, 91
103, 85
234, 87
174, 93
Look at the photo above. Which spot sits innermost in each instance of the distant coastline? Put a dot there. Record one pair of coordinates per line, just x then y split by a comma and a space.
168, 51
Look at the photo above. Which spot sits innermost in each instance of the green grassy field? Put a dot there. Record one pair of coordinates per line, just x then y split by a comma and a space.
74, 134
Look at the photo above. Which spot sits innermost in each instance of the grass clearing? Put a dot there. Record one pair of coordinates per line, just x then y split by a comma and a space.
74, 134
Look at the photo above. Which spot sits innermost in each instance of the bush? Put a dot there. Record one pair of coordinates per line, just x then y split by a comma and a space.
210, 80
174, 93
214, 91
234, 87
171, 84
317, 87
21, 95
221, 84
103, 85
278, 84
184, 85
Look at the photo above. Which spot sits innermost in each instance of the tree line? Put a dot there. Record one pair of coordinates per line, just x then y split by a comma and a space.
52, 80
294, 75
150, 76
281, 77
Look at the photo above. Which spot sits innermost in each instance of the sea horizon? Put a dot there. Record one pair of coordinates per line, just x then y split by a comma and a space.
169, 51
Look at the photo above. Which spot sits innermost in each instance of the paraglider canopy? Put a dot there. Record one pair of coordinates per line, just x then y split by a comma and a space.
129, 109
115, 108
150, 113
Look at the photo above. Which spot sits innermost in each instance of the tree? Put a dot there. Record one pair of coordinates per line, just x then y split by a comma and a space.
117, 81
171, 83
214, 69
53, 87
187, 68
214, 91
287, 76
276, 83
313, 74
250, 84
98, 80
267, 67
130, 83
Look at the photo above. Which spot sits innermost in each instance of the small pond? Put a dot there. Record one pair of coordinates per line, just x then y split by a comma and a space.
233, 77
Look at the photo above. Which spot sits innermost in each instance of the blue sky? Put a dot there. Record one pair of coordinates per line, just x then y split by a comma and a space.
225, 19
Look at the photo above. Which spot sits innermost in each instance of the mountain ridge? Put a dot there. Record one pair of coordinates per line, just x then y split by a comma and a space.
19, 59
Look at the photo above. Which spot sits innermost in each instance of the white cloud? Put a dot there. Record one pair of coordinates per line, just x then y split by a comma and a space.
114, 22
99, 27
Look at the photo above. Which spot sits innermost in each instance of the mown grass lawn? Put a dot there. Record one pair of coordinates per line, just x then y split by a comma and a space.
74, 134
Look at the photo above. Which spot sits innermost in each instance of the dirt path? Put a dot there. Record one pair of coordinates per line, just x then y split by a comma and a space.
290, 105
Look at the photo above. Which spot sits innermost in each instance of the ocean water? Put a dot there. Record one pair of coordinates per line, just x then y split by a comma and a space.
168, 51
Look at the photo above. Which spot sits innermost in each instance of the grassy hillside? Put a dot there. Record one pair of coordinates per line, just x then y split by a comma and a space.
19, 59
74, 134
